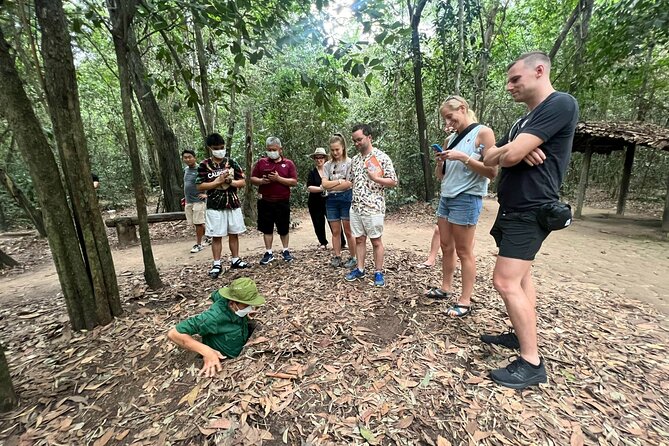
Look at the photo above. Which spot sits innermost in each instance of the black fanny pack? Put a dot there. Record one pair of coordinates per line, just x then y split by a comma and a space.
554, 216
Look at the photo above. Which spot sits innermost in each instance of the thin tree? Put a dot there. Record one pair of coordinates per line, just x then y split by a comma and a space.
8, 399
415, 11
75, 280
63, 99
167, 147
121, 19
20, 198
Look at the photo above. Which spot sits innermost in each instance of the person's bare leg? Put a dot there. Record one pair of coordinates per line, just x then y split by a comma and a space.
448, 258
268, 239
349, 237
233, 243
335, 227
199, 233
216, 247
528, 286
284, 240
507, 278
378, 250
435, 244
463, 237
361, 250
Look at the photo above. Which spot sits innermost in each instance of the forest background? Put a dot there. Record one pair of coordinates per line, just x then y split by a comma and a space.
304, 70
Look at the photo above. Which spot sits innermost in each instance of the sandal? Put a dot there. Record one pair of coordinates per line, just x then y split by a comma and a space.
438, 293
458, 310
239, 263
215, 271
424, 266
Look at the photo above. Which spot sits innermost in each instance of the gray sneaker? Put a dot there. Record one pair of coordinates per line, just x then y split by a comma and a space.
336, 262
351, 263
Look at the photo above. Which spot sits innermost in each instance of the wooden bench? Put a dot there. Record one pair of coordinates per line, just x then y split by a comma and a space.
126, 227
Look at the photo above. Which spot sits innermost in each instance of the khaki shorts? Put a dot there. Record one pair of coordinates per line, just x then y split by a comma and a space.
195, 213
367, 225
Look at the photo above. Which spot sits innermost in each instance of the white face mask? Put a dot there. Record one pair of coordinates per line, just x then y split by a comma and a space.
220, 154
273, 155
244, 312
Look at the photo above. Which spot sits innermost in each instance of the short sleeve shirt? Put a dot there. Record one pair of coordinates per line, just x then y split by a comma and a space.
274, 191
219, 327
337, 170
522, 187
369, 196
220, 198
190, 188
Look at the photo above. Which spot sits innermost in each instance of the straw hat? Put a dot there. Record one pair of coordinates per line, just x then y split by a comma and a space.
319, 152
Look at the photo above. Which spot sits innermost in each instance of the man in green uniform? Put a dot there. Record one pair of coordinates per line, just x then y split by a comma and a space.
223, 327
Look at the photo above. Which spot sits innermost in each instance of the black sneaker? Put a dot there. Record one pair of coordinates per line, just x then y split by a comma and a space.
267, 258
508, 340
520, 374
287, 257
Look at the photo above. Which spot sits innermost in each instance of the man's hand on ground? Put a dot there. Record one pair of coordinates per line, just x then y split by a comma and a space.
212, 364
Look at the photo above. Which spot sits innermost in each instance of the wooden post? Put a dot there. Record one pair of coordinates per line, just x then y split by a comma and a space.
8, 399
665, 214
583, 183
625, 182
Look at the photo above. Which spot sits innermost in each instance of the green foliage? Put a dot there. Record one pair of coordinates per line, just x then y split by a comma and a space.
309, 69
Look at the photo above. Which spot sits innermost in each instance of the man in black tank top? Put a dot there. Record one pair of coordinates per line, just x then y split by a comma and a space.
534, 158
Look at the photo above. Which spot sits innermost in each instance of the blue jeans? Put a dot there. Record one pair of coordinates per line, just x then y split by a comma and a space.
338, 205
463, 209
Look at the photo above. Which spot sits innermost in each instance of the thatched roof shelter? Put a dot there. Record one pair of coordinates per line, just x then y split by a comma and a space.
604, 138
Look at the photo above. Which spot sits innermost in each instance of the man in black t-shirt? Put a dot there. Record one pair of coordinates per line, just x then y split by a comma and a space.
221, 177
534, 157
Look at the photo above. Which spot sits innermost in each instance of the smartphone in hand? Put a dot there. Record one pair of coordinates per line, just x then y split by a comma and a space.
437, 148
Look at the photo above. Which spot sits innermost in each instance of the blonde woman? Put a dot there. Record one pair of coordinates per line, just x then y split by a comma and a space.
464, 183
338, 205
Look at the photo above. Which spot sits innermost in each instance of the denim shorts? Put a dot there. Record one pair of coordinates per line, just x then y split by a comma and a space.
338, 205
463, 209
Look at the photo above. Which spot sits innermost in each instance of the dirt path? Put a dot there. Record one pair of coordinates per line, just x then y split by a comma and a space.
620, 256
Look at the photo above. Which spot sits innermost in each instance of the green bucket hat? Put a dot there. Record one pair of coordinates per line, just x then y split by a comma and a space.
243, 290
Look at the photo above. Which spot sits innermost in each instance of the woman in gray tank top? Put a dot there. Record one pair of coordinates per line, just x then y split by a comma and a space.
464, 183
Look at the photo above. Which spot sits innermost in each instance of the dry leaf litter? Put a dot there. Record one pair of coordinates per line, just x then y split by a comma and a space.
333, 363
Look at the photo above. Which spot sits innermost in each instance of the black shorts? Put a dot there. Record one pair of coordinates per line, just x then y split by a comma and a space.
271, 213
518, 235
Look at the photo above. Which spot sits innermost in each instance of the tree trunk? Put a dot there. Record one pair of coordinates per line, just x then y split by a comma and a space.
418, 95
461, 45
63, 241
6, 260
481, 77
187, 83
3, 218
565, 31
121, 18
8, 399
63, 98
17, 194
167, 146
231, 117
204, 80
249, 204
580, 37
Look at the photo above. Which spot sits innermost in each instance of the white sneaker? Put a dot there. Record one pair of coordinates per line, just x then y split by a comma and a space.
196, 248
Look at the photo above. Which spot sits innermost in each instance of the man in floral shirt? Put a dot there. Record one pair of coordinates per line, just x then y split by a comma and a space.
371, 172
220, 177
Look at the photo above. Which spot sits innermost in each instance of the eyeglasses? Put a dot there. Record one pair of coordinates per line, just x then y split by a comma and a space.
221, 147
319, 157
